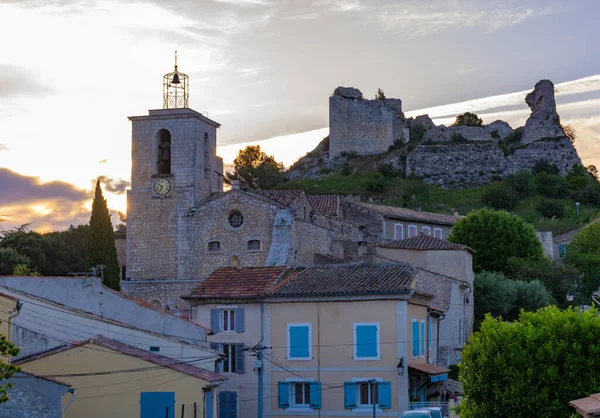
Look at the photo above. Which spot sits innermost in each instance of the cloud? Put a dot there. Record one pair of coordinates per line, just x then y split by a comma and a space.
17, 188
16, 81
3, 147
114, 186
244, 2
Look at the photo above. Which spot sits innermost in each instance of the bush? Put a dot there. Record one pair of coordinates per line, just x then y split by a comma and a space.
590, 194
551, 185
325, 170
377, 184
499, 197
543, 166
468, 119
417, 132
346, 169
532, 367
386, 170
521, 182
459, 139
550, 209
514, 136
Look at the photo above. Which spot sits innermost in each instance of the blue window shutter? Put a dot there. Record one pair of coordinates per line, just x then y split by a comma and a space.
227, 405
415, 338
366, 341
315, 395
240, 356
349, 395
283, 394
156, 404
422, 338
239, 320
209, 398
385, 395
299, 341
214, 320
429, 332
218, 362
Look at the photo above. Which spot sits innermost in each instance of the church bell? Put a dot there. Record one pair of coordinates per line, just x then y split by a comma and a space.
175, 79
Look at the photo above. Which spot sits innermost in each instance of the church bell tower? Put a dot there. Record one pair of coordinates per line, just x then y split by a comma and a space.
174, 166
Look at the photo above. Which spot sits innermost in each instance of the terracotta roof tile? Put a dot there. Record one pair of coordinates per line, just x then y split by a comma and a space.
344, 279
430, 369
50, 379
422, 242
283, 197
408, 214
328, 204
129, 350
233, 282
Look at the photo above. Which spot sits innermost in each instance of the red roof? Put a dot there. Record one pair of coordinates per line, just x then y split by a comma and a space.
129, 350
233, 282
328, 204
50, 379
422, 242
408, 214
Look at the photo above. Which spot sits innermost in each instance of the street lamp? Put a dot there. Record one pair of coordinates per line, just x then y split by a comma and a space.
570, 296
576, 208
400, 366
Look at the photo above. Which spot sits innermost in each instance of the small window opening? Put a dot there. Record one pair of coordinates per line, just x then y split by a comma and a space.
164, 152
214, 247
254, 245
235, 261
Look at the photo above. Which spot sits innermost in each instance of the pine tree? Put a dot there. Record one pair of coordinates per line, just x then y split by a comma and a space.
101, 241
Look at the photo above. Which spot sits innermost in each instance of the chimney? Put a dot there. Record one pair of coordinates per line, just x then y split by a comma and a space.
369, 256
235, 185
456, 215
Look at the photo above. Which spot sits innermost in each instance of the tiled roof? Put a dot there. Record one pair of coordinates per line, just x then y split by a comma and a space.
422, 242
408, 214
233, 282
344, 279
430, 369
283, 197
328, 204
126, 349
50, 379
566, 236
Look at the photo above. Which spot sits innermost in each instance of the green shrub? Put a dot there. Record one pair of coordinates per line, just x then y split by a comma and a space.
550, 209
543, 166
521, 182
590, 194
468, 119
377, 184
459, 139
551, 185
387, 170
417, 132
499, 197
514, 136
325, 170
346, 169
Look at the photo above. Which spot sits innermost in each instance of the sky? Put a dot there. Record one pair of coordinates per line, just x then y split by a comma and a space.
71, 71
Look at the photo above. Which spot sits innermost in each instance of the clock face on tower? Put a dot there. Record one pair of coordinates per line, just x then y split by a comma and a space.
162, 187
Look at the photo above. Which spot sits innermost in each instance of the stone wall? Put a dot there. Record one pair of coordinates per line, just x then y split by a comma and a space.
474, 164
33, 397
165, 294
366, 127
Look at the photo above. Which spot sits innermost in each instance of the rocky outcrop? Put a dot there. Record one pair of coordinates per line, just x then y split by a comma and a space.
457, 134
544, 121
348, 93
423, 120
499, 129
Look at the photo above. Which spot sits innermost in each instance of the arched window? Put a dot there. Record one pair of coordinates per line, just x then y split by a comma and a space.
235, 261
253, 245
214, 247
206, 157
164, 152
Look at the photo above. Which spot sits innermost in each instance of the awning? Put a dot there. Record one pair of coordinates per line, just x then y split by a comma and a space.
588, 407
436, 373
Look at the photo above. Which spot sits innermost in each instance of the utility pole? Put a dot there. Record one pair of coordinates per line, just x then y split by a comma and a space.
259, 368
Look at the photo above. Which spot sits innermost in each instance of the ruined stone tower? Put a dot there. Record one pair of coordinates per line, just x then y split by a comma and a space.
174, 165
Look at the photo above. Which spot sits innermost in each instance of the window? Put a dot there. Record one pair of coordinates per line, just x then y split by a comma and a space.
214, 247
366, 341
227, 405
429, 332
164, 152
154, 349
412, 231
253, 245
415, 338
233, 362
299, 393
299, 341
426, 230
235, 261
437, 233
398, 231
227, 319
562, 249
362, 392
236, 219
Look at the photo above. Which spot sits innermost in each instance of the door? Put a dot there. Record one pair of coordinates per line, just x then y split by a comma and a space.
157, 405
227, 404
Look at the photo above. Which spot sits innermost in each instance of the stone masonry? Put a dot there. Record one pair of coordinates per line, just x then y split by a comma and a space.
365, 127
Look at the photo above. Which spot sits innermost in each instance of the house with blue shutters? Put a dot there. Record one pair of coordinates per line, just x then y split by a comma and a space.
338, 339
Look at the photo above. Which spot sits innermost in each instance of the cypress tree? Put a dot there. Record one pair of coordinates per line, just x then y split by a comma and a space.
101, 241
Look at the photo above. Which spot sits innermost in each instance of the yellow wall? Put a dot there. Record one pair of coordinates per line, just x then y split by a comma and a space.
7, 306
332, 326
116, 395
419, 313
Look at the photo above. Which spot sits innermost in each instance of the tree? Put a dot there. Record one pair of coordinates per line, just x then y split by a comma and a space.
380, 95
584, 254
532, 367
468, 119
66, 251
496, 236
6, 369
9, 258
551, 185
570, 132
551, 209
27, 243
255, 169
499, 197
101, 241
498, 295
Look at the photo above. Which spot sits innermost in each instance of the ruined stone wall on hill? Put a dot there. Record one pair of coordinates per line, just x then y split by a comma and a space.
474, 164
365, 127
